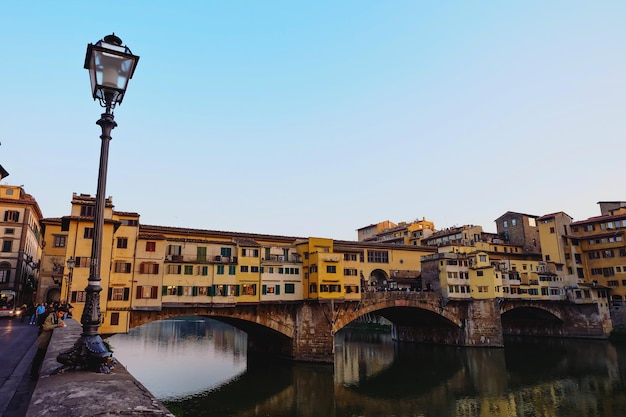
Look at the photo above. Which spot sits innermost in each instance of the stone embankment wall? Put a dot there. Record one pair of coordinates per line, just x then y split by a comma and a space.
86, 393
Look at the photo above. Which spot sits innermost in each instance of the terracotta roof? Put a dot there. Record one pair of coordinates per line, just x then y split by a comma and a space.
596, 235
247, 242
547, 216
599, 219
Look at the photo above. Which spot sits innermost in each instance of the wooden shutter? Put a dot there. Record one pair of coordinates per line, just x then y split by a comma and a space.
139, 292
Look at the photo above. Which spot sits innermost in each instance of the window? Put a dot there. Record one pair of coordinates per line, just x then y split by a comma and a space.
331, 269
290, 288
88, 233
483, 288
313, 288
254, 269
150, 246
12, 216
244, 268
188, 269
78, 296
115, 319
174, 249
122, 242
87, 211
552, 230
482, 258
376, 256
203, 270
589, 228
119, 294
248, 289
479, 273
7, 245
9, 231
147, 291
170, 290
220, 270
149, 268
227, 252
232, 270
5, 272
123, 267
83, 262
59, 241
254, 253
612, 283
174, 269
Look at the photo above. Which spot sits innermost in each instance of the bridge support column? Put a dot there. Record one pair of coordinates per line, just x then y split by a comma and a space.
314, 341
483, 326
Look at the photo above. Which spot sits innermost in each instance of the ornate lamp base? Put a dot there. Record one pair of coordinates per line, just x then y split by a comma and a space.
89, 353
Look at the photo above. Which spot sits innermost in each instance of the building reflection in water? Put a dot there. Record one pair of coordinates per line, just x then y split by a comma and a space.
182, 357
374, 377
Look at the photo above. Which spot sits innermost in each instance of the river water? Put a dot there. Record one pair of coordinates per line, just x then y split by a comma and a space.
199, 367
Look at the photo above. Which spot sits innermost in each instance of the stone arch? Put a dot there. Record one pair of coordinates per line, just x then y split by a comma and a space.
436, 312
378, 279
52, 294
532, 319
541, 307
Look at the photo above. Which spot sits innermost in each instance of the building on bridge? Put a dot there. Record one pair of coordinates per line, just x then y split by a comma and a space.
148, 267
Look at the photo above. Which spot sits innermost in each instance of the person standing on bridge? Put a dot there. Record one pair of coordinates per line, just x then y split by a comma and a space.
53, 321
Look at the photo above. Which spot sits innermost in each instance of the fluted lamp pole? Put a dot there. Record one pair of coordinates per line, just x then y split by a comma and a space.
110, 66
70, 271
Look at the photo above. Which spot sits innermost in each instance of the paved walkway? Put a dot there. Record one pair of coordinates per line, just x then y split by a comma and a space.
17, 349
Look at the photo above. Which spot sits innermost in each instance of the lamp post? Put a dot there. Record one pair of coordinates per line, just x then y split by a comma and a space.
70, 270
110, 66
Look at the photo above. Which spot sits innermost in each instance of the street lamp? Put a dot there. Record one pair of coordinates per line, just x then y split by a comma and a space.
110, 67
70, 269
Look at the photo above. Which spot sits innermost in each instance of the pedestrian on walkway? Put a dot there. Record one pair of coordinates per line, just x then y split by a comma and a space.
53, 321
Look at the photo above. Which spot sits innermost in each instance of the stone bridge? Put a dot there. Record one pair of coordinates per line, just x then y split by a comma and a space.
305, 330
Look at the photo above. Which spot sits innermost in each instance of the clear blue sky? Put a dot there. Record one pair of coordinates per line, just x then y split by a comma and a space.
317, 118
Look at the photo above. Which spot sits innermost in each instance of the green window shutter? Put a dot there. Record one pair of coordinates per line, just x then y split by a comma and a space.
278, 289
262, 269
237, 291
179, 290
232, 270
264, 289
164, 290
211, 290
194, 291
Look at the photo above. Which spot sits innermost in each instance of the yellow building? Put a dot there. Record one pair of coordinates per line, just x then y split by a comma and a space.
21, 248
597, 250
402, 233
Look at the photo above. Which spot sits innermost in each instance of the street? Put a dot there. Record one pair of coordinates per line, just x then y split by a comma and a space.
17, 349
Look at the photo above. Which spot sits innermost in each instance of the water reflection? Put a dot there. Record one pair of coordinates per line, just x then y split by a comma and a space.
179, 358
374, 377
